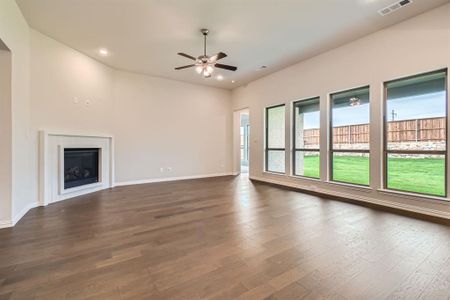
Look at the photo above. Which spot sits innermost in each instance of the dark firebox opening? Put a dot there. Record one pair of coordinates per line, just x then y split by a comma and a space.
80, 166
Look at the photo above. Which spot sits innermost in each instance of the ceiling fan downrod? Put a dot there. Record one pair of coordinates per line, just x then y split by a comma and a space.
205, 32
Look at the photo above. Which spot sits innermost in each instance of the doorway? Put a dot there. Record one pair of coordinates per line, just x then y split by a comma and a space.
244, 142
241, 142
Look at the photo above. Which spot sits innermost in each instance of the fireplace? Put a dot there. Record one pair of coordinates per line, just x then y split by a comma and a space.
81, 166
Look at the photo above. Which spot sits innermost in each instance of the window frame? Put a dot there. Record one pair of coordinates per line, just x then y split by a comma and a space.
266, 148
330, 137
294, 140
386, 151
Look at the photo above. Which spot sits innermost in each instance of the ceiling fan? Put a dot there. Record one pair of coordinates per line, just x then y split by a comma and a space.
205, 64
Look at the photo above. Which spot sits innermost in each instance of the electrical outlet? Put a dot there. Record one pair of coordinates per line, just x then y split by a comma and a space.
161, 170
76, 100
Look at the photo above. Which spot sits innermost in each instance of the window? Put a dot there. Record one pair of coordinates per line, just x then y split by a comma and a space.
415, 146
349, 134
306, 138
275, 139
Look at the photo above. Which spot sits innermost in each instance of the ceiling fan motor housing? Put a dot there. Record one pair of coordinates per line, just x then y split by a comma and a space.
203, 58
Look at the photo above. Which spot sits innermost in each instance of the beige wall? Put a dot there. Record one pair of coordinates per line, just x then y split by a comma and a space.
157, 123
161, 123
70, 91
5, 135
418, 45
14, 32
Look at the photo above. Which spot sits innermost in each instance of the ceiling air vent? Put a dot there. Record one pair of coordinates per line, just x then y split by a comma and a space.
393, 7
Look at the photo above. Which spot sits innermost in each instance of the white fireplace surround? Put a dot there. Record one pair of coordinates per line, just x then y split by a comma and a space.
51, 164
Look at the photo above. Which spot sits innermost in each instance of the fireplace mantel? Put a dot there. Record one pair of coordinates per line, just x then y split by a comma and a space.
52, 144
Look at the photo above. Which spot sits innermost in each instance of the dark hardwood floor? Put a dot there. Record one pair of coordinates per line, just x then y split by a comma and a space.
220, 238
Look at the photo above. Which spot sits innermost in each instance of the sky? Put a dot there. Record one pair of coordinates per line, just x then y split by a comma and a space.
406, 108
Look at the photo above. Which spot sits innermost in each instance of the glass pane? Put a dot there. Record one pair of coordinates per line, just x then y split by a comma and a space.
275, 127
307, 124
416, 113
307, 164
350, 119
351, 168
275, 161
416, 173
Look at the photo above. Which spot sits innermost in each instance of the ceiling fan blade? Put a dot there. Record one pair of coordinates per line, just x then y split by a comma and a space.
187, 56
184, 67
226, 67
218, 56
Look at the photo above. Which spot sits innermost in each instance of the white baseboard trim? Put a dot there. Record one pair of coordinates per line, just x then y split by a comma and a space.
6, 224
153, 180
402, 206
22, 213
17, 217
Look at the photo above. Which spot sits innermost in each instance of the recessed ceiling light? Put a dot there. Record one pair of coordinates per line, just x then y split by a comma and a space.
219, 77
103, 51
233, 81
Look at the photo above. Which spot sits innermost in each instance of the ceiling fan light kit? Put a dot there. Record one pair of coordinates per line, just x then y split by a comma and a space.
204, 64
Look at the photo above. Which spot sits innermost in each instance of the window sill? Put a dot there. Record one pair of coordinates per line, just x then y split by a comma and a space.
414, 195
305, 178
362, 188
274, 173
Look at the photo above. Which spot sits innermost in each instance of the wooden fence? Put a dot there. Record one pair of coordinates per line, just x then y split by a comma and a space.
417, 130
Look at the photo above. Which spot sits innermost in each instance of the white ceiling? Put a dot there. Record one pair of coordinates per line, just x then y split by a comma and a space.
144, 35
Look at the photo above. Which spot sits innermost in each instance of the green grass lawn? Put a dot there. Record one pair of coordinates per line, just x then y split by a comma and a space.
311, 166
421, 175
